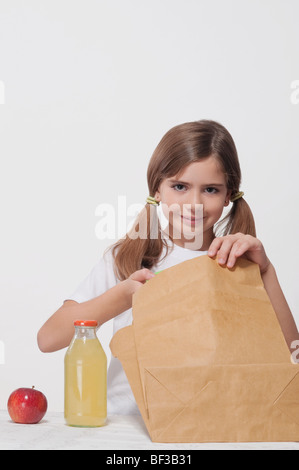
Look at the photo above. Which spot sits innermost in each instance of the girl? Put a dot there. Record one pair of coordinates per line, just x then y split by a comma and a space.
194, 165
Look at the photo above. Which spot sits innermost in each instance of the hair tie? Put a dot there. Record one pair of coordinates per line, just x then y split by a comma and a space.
237, 196
152, 200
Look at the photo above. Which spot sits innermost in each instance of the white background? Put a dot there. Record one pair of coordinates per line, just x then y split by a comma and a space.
91, 86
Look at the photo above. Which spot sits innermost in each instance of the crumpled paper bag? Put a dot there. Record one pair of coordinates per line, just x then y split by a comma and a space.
206, 358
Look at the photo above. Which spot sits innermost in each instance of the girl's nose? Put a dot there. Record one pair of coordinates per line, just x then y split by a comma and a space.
195, 198
194, 205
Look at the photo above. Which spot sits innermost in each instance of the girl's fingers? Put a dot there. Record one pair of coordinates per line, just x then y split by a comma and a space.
215, 246
228, 249
142, 275
224, 251
237, 250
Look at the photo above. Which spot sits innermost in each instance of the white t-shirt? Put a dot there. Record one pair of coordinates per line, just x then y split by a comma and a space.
101, 278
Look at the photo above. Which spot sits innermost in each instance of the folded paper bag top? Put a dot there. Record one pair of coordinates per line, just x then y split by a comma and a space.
198, 318
200, 311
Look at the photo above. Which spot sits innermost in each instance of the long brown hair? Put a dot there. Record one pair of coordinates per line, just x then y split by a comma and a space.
180, 146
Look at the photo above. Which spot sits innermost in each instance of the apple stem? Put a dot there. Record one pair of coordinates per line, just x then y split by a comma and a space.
33, 386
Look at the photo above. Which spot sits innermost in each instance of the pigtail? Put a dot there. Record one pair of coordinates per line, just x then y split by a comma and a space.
141, 247
239, 219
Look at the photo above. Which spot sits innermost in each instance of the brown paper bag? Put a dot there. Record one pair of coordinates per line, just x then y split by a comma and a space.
206, 358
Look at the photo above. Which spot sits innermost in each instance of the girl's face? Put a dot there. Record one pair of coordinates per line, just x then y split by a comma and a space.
193, 202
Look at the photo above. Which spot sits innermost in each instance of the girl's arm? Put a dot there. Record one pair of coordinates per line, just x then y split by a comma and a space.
230, 247
58, 330
280, 305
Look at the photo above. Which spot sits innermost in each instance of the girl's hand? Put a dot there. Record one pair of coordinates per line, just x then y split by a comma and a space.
230, 247
137, 279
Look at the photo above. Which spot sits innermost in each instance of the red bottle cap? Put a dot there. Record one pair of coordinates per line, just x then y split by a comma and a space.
85, 323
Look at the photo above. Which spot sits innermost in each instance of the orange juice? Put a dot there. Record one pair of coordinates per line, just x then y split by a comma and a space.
85, 400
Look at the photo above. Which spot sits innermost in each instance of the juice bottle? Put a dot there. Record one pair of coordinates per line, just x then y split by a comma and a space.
85, 382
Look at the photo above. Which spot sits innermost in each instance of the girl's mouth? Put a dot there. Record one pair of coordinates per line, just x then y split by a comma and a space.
192, 220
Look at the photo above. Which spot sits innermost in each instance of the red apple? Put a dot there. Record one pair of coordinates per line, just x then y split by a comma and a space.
27, 406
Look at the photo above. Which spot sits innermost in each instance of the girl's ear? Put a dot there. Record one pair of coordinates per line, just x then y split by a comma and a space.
157, 196
228, 195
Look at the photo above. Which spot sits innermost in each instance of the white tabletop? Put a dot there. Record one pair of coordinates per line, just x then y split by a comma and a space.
120, 433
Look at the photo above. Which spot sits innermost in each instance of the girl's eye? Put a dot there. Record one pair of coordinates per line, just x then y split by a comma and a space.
179, 187
211, 190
